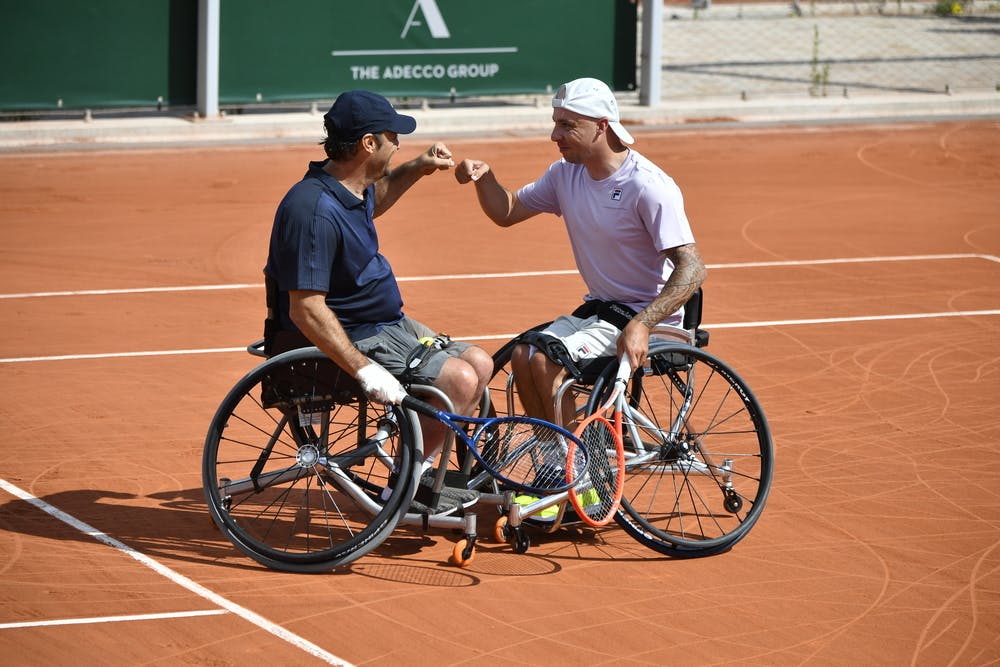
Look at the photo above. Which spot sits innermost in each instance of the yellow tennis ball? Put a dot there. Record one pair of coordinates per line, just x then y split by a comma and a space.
589, 497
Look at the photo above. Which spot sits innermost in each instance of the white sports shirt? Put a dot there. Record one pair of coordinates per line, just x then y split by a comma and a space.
618, 227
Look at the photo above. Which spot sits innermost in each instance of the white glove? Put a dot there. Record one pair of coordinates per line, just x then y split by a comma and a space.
380, 385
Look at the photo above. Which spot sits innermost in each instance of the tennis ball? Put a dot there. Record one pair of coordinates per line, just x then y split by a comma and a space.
588, 498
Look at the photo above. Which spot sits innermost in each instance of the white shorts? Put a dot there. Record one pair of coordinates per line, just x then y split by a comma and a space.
592, 337
585, 338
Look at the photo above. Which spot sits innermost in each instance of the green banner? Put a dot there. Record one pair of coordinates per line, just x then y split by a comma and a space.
71, 54
428, 48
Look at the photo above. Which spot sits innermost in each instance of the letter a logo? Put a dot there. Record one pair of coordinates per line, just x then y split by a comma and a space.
432, 15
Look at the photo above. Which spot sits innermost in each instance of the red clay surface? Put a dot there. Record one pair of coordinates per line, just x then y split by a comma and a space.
880, 543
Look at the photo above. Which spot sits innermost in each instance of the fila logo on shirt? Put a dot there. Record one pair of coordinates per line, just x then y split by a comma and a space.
616, 194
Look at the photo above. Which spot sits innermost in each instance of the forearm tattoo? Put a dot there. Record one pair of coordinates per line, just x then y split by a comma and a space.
688, 274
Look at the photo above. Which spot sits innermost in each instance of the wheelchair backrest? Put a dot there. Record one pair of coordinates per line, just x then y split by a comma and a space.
308, 385
276, 339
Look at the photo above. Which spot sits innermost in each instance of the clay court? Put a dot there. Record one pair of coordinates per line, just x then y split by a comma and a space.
854, 282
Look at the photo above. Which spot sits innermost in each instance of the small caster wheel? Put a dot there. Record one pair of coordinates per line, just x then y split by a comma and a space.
464, 552
733, 503
521, 541
502, 531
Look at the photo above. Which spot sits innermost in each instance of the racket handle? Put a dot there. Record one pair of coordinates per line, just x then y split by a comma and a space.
417, 405
624, 370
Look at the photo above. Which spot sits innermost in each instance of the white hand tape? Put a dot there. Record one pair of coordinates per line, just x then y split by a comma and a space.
379, 384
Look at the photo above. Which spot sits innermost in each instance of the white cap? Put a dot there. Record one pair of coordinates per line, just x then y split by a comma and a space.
591, 98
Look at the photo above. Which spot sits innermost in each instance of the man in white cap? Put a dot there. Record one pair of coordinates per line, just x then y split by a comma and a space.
630, 237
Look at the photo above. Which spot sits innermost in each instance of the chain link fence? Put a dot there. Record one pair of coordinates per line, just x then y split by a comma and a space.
809, 48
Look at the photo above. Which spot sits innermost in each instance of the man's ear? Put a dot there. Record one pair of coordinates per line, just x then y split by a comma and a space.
368, 143
603, 125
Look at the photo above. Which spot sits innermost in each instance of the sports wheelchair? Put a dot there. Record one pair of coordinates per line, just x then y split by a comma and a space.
302, 473
698, 451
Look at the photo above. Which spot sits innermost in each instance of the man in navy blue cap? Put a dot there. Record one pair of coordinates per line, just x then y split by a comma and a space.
331, 283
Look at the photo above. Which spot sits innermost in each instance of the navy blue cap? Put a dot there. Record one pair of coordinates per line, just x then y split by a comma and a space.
359, 112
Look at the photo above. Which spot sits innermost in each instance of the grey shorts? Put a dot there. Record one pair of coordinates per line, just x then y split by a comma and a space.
391, 346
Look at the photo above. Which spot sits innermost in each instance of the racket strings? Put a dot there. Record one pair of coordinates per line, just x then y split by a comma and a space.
596, 494
530, 455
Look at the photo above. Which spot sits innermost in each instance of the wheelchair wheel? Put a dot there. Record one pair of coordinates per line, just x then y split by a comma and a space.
698, 453
296, 465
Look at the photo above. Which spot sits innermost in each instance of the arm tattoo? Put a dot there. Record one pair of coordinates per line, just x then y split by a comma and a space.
687, 276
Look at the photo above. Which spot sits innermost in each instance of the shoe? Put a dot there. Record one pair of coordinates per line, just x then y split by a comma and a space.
547, 515
589, 498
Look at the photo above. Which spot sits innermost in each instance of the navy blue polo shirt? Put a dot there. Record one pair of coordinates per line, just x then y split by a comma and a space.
324, 240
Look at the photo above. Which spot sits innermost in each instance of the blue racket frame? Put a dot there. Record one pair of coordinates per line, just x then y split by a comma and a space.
484, 425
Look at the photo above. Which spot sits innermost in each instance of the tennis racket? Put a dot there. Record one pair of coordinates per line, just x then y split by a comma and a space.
522, 453
596, 495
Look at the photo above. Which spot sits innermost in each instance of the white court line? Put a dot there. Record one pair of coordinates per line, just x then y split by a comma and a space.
508, 336
112, 619
177, 578
782, 323
119, 355
866, 318
136, 290
854, 260
515, 274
